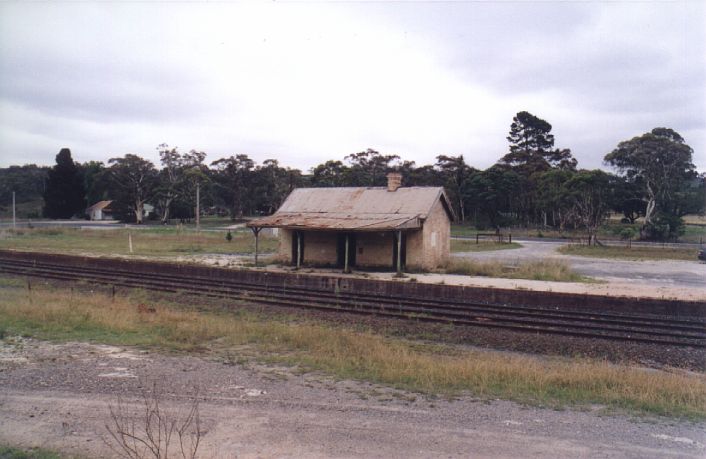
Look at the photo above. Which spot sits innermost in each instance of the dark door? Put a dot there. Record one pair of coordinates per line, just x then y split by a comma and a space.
341, 250
403, 258
296, 236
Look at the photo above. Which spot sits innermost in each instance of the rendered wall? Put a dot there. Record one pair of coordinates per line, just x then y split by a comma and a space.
320, 248
374, 249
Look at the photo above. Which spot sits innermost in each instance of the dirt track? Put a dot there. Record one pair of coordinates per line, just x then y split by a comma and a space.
56, 396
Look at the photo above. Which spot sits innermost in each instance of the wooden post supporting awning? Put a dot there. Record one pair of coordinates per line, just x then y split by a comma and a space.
256, 231
399, 253
346, 268
299, 249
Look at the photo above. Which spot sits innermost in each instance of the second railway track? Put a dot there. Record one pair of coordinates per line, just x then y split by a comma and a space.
642, 328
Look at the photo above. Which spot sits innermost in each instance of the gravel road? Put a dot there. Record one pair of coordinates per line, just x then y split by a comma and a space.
667, 273
56, 396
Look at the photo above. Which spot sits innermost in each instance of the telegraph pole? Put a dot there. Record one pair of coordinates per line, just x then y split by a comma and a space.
198, 206
14, 213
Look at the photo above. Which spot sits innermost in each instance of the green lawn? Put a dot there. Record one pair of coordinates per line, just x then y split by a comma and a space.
633, 253
162, 241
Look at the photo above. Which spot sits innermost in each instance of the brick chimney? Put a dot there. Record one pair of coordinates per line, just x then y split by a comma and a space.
394, 181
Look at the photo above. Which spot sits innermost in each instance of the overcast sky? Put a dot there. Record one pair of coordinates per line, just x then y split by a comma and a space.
310, 81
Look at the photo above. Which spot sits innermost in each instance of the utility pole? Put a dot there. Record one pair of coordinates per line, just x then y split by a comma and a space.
198, 206
14, 214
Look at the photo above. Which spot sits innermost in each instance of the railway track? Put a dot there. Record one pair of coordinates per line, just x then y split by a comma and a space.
613, 326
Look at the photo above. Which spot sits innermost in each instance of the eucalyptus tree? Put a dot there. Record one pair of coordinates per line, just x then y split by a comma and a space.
455, 174
133, 181
590, 194
661, 161
233, 179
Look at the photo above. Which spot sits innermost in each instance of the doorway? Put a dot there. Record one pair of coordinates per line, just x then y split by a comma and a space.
296, 237
341, 250
403, 254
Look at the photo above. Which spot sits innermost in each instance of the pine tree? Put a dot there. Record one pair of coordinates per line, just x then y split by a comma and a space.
532, 146
65, 195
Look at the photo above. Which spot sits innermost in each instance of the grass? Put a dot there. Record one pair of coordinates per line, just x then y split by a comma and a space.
633, 253
433, 369
154, 241
464, 245
694, 230
9, 452
544, 270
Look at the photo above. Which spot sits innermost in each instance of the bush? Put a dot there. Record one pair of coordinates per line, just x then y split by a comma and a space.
665, 227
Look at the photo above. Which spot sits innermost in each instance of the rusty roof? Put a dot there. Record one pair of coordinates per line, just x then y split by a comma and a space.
360, 209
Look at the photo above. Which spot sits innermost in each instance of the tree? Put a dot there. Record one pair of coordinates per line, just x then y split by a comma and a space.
532, 146
65, 195
133, 182
553, 198
455, 174
369, 168
95, 182
590, 193
28, 182
661, 161
234, 178
628, 199
179, 174
329, 174
272, 184
493, 192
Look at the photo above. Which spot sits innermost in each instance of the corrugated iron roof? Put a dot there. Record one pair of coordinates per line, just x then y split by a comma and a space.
100, 205
360, 209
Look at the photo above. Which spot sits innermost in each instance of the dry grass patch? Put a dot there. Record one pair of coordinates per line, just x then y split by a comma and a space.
469, 245
544, 270
631, 253
153, 241
345, 353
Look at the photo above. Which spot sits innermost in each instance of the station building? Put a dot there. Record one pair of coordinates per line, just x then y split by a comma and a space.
391, 227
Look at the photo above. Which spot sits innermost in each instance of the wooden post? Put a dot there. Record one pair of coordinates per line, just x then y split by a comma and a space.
14, 213
345, 256
198, 211
399, 253
299, 249
256, 231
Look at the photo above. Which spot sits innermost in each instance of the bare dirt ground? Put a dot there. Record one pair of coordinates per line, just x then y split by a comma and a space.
56, 396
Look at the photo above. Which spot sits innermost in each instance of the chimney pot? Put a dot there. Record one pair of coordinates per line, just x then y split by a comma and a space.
394, 181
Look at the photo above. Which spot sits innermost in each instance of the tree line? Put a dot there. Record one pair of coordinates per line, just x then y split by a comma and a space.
533, 184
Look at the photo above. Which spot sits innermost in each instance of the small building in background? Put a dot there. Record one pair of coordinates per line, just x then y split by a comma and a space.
391, 227
100, 211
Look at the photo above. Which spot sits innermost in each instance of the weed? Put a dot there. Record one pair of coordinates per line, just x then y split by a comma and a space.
631, 253
346, 353
545, 270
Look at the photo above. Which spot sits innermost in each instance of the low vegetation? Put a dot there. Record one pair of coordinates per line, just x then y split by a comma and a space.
466, 245
58, 314
631, 253
169, 241
544, 270
8, 452
694, 231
